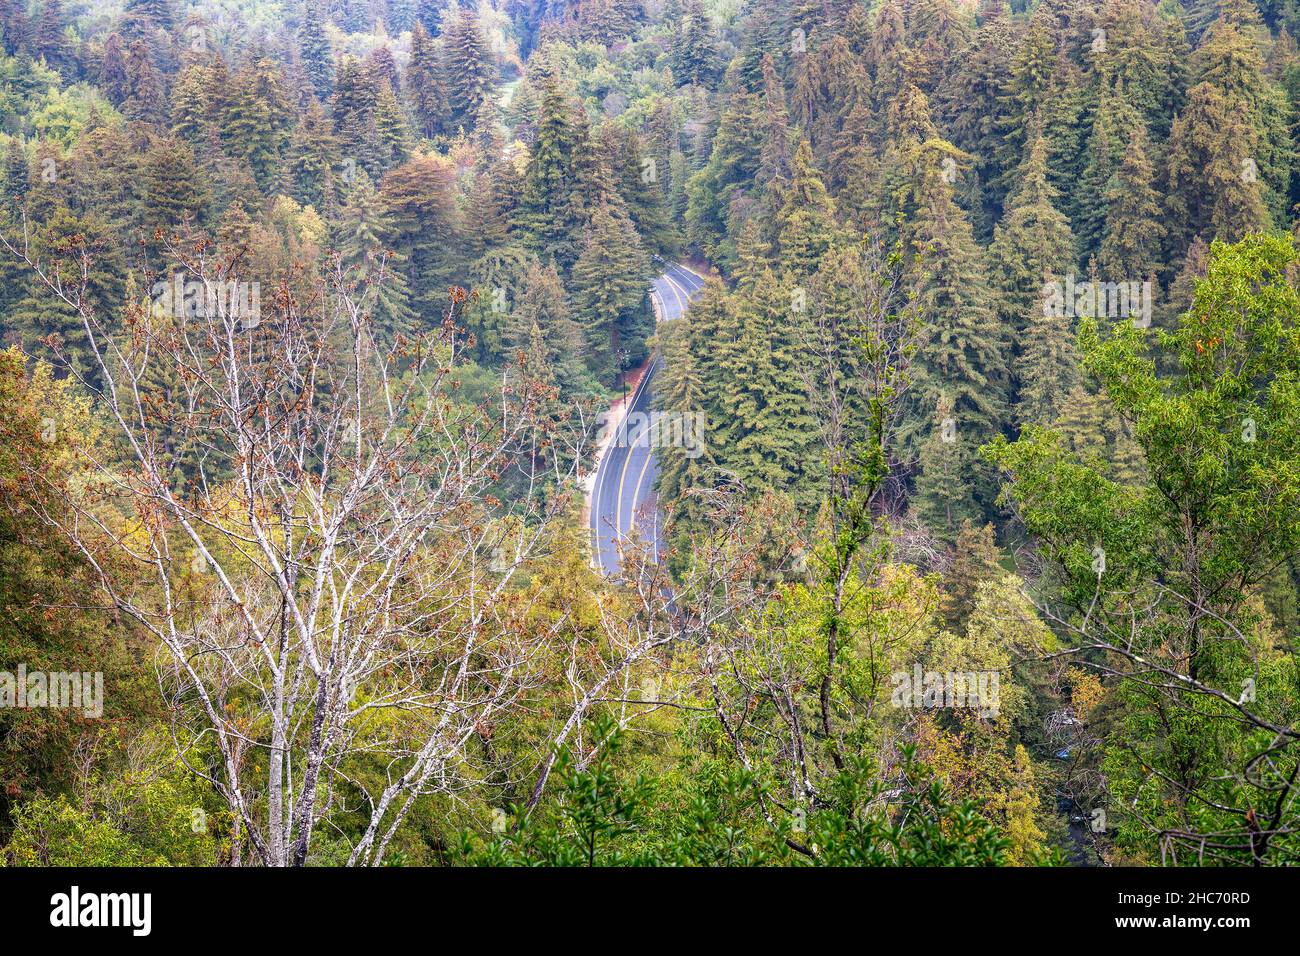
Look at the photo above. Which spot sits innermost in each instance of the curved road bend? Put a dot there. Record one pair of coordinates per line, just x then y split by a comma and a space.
625, 477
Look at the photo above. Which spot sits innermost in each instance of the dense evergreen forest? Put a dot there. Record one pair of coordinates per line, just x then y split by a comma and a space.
313, 316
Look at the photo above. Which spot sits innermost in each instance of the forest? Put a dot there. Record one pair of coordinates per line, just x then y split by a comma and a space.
971, 530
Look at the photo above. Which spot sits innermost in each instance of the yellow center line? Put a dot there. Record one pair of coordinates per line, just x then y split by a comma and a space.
618, 507
631, 443
672, 287
676, 295
636, 493
689, 271
682, 273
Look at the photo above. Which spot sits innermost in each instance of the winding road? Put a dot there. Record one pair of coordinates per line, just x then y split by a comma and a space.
622, 497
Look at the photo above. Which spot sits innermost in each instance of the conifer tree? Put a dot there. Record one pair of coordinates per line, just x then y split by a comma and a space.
361, 249
714, 334
976, 560
910, 128
638, 185
258, 117
421, 223
423, 84
108, 175
754, 254
394, 136
965, 353
726, 179
429, 14
888, 57
1214, 181
15, 171
488, 135
62, 240
551, 206
1048, 366
944, 497
356, 98
1134, 234
695, 57
1174, 59
842, 84
773, 445
355, 94
496, 276
1033, 89
1105, 153
379, 63
543, 305
805, 95
314, 44
51, 40
174, 187
680, 392
962, 361
974, 112
939, 30
774, 158
1096, 435
112, 71
1033, 241
469, 70
191, 104
487, 219
761, 35
1229, 152
158, 12
313, 155
660, 141
806, 221
609, 281
145, 100
14, 27
401, 16
219, 94
1130, 63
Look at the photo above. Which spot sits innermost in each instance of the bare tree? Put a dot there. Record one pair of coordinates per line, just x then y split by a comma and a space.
326, 556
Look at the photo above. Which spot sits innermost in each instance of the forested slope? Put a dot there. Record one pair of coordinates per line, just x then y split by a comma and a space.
312, 310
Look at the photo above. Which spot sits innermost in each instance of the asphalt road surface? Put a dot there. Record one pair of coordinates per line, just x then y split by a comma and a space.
622, 497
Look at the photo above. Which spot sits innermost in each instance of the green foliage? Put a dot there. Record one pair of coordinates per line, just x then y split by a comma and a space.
962, 359
806, 221
424, 85
596, 819
43, 424
470, 74
720, 187
609, 280
694, 56
317, 58
551, 207
526, 162
156, 816
1197, 538
54, 833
